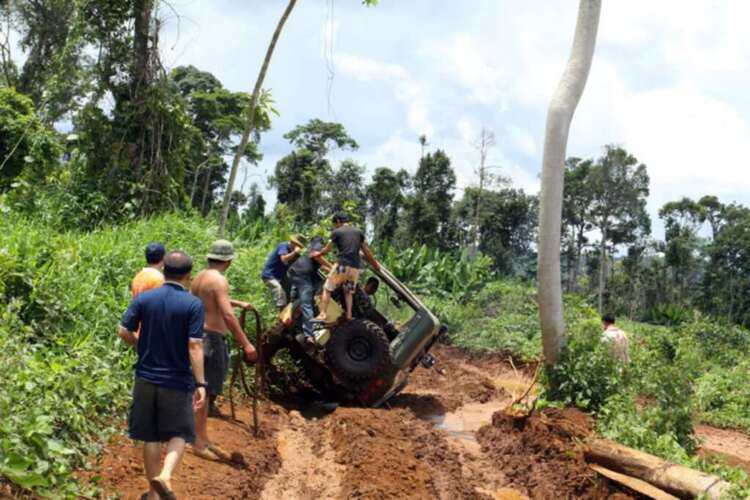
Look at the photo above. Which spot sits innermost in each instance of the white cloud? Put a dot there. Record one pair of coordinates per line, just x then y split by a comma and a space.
693, 143
462, 60
521, 140
406, 89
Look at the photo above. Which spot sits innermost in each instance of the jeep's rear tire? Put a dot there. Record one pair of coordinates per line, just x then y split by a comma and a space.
358, 350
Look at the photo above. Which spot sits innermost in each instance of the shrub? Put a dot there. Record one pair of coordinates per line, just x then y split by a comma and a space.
587, 374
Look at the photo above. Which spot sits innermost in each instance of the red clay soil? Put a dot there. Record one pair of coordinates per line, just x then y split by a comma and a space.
119, 470
454, 380
394, 452
540, 454
389, 454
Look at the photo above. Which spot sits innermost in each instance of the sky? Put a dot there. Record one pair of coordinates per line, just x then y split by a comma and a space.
669, 82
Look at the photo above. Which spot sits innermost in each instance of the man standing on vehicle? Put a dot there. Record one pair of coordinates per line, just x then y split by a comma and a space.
348, 241
169, 367
303, 274
275, 268
212, 287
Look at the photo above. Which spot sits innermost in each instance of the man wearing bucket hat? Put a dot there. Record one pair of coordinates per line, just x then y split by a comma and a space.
212, 287
277, 263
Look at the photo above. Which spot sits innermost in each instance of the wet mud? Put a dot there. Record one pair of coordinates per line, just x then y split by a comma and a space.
445, 437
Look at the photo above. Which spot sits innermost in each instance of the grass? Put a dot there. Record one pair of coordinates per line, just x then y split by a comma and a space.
66, 376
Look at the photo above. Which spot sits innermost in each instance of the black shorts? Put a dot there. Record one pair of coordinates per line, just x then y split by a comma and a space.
215, 361
158, 414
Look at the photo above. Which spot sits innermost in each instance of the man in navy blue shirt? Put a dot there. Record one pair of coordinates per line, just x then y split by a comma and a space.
277, 262
169, 367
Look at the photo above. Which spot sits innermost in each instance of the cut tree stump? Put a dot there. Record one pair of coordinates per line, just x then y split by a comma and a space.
677, 480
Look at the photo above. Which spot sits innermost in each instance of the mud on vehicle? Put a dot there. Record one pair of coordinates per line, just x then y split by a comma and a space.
368, 359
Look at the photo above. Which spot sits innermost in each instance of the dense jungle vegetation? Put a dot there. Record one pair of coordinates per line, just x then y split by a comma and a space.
103, 150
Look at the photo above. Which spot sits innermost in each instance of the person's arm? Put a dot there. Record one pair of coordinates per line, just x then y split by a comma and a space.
195, 352
291, 256
127, 336
369, 256
324, 264
324, 251
227, 313
130, 322
240, 304
195, 348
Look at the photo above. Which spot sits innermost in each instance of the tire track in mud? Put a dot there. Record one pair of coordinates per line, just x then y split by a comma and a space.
308, 470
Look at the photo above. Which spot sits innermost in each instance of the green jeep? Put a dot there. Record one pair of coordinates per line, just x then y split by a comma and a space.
368, 359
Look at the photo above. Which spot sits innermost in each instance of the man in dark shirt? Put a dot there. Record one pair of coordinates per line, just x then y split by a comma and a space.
275, 268
348, 241
305, 279
169, 367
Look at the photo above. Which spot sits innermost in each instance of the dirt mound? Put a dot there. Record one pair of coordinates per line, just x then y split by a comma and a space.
120, 469
454, 382
540, 456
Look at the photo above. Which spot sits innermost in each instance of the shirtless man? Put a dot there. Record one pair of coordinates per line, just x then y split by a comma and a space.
212, 288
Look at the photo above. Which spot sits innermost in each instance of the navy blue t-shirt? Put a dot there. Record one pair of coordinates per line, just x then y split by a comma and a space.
274, 268
169, 317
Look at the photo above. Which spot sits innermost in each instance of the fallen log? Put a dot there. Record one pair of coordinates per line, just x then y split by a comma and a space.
637, 485
677, 480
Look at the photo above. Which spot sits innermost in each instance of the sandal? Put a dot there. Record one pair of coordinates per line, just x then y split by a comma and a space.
211, 452
161, 488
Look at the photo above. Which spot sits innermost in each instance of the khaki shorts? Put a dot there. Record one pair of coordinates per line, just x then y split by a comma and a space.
336, 278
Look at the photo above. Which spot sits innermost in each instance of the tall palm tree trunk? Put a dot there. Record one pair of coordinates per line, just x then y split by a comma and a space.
559, 116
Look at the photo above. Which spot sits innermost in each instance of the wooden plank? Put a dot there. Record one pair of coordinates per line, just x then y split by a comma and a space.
634, 484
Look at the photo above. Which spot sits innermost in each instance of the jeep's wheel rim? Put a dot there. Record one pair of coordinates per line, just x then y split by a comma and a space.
359, 349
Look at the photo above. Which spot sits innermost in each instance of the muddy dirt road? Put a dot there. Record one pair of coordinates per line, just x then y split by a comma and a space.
438, 439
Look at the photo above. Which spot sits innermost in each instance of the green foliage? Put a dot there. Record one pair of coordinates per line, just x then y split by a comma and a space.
436, 272
669, 315
304, 178
66, 376
503, 316
587, 374
507, 226
726, 283
429, 207
723, 397
27, 148
386, 195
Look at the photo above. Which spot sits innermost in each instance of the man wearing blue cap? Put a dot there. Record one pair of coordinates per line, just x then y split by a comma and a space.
151, 276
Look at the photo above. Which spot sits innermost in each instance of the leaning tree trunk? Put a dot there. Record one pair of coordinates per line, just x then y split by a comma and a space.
559, 116
141, 77
251, 109
602, 269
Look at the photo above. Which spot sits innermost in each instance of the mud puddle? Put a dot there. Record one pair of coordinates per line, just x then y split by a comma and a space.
462, 424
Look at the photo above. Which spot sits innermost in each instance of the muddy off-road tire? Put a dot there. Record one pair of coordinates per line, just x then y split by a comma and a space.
358, 350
